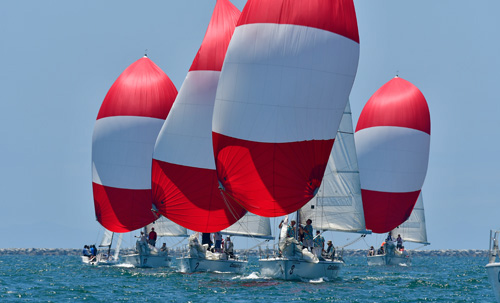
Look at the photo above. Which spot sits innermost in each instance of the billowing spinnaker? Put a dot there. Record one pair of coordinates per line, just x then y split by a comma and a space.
392, 143
185, 187
125, 132
284, 85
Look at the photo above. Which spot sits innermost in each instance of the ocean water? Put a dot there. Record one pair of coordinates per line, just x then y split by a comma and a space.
65, 279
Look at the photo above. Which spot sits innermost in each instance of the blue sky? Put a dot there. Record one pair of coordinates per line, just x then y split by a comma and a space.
59, 58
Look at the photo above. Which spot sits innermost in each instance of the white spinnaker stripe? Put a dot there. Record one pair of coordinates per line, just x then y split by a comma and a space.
122, 151
284, 83
186, 135
392, 159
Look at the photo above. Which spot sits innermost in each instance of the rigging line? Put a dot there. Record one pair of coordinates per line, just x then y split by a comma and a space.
352, 242
419, 247
226, 202
245, 228
224, 193
179, 242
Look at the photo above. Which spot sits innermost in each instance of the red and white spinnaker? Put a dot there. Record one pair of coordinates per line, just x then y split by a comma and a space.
283, 88
185, 186
392, 143
125, 132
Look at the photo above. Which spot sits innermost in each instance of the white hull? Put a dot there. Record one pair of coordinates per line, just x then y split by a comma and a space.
99, 260
87, 260
389, 260
493, 270
149, 261
190, 264
287, 269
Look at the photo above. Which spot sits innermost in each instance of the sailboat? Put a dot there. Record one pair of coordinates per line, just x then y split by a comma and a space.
125, 131
106, 258
493, 266
392, 142
201, 259
412, 230
147, 255
336, 207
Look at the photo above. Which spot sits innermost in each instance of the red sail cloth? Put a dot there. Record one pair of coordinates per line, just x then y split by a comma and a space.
285, 173
396, 103
143, 90
337, 16
213, 49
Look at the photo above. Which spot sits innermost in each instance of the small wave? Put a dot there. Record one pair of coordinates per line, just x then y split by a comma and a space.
252, 276
125, 265
317, 281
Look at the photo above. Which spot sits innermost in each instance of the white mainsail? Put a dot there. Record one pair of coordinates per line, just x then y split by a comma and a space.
166, 228
107, 238
338, 206
414, 229
250, 225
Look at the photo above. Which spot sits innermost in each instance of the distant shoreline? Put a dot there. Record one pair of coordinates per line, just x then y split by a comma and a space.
347, 253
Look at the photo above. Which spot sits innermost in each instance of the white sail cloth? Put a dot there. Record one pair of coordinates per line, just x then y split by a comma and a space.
338, 206
414, 229
250, 225
166, 228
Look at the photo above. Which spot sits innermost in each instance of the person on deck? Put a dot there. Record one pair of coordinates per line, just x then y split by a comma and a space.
218, 241
206, 239
318, 244
330, 250
163, 247
399, 241
371, 252
93, 252
290, 231
152, 237
308, 235
381, 250
86, 251
228, 247
142, 243
389, 238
